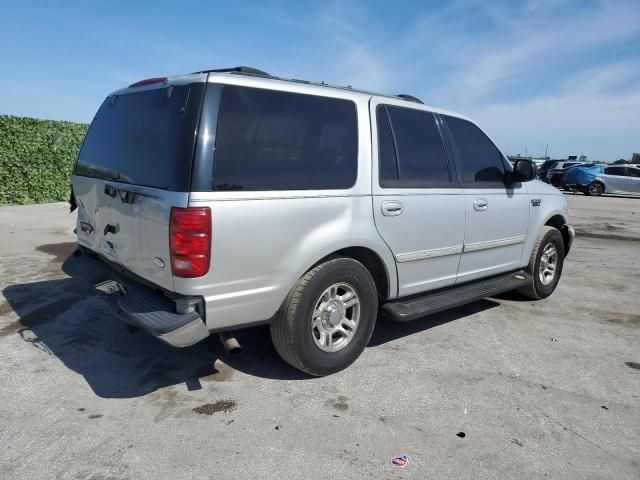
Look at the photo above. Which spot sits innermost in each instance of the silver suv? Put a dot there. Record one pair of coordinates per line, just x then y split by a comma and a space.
228, 198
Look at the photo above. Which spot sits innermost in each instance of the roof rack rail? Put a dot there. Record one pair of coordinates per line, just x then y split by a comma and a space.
411, 98
241, 70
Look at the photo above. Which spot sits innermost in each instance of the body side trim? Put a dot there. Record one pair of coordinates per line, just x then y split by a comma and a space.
457, 249
432, 253
502, 242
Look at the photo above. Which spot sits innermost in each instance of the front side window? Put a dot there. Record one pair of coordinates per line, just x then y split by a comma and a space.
481, 160
273, 140
410, 149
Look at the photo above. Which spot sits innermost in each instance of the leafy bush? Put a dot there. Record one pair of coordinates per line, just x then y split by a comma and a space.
36, 158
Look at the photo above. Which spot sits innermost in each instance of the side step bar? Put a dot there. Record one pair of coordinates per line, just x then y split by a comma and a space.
410, 308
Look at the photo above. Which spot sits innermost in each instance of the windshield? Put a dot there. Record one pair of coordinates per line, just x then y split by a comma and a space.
139, 138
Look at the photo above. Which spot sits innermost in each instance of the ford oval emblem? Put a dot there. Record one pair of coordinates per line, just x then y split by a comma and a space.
158, 262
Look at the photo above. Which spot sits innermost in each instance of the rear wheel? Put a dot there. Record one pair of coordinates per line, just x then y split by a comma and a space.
545, 264
595, 189
328, 317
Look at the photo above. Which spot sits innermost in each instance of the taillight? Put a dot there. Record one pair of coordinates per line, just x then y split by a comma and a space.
190, 241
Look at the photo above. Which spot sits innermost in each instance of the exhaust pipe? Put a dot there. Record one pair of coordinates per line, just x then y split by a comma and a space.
229, 342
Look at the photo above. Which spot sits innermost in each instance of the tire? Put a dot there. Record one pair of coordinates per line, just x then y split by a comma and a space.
595, 189
296, 332
548, 240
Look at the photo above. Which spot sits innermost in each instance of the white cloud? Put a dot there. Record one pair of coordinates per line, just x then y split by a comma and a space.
592, 111
603, 126
529, 46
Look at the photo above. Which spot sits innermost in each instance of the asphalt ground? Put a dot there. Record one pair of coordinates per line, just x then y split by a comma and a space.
501, 388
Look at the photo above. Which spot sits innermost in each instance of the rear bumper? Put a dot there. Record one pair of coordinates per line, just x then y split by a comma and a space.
173, 320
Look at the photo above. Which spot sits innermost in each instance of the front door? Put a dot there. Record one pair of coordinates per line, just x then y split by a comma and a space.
497, 215
418, 206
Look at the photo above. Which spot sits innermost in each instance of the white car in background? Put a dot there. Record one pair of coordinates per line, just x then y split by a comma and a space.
619, 179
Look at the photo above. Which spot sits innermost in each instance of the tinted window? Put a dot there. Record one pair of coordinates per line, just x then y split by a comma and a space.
421, 157
481, 160
616, 171
633, 172
387, 159
270, 140
140, 138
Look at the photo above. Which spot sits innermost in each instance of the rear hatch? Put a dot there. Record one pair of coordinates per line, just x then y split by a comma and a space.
133, 167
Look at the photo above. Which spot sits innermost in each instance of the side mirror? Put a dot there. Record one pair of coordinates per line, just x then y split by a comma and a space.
523, 171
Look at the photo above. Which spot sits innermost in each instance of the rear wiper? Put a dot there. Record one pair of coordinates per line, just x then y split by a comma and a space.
101, 172
118, 177
126, 195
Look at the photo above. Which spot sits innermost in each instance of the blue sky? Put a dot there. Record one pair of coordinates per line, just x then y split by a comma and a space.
563, 73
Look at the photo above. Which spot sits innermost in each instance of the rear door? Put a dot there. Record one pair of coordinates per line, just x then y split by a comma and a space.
617, 179
497, 215
634, 179
133, 166
418, 205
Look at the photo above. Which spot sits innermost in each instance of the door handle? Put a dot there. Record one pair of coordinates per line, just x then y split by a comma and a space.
391, 208
480, 204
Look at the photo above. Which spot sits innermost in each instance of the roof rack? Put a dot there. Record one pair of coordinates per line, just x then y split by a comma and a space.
242, 70
259, 73
411, 98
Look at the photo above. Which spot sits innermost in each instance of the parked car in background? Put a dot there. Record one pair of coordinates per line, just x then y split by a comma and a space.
556, 173
544, 168
579, 177
621, 180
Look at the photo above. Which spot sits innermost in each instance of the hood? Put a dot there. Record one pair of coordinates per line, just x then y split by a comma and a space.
537, 187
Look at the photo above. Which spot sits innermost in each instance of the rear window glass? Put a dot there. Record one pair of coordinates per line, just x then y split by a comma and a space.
271, 140
422, 159
136, 138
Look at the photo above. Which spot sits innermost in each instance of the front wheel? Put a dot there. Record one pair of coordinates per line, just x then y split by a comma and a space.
328, 317
545, 264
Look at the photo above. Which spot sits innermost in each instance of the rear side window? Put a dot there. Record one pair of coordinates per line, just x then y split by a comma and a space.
616, 171
144, 138
481, 160
410, 149
272, 140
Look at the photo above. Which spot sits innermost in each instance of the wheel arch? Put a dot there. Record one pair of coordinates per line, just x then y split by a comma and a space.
372, 261
559, 222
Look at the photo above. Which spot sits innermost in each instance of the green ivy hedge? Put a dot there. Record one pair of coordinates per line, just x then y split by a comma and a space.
36, 158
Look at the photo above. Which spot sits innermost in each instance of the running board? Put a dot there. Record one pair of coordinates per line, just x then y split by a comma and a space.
410, 308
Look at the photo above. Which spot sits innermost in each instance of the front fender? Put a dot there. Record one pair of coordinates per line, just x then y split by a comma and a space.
546, 208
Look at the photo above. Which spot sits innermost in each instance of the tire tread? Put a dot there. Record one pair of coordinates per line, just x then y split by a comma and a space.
530, 290
283, 331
